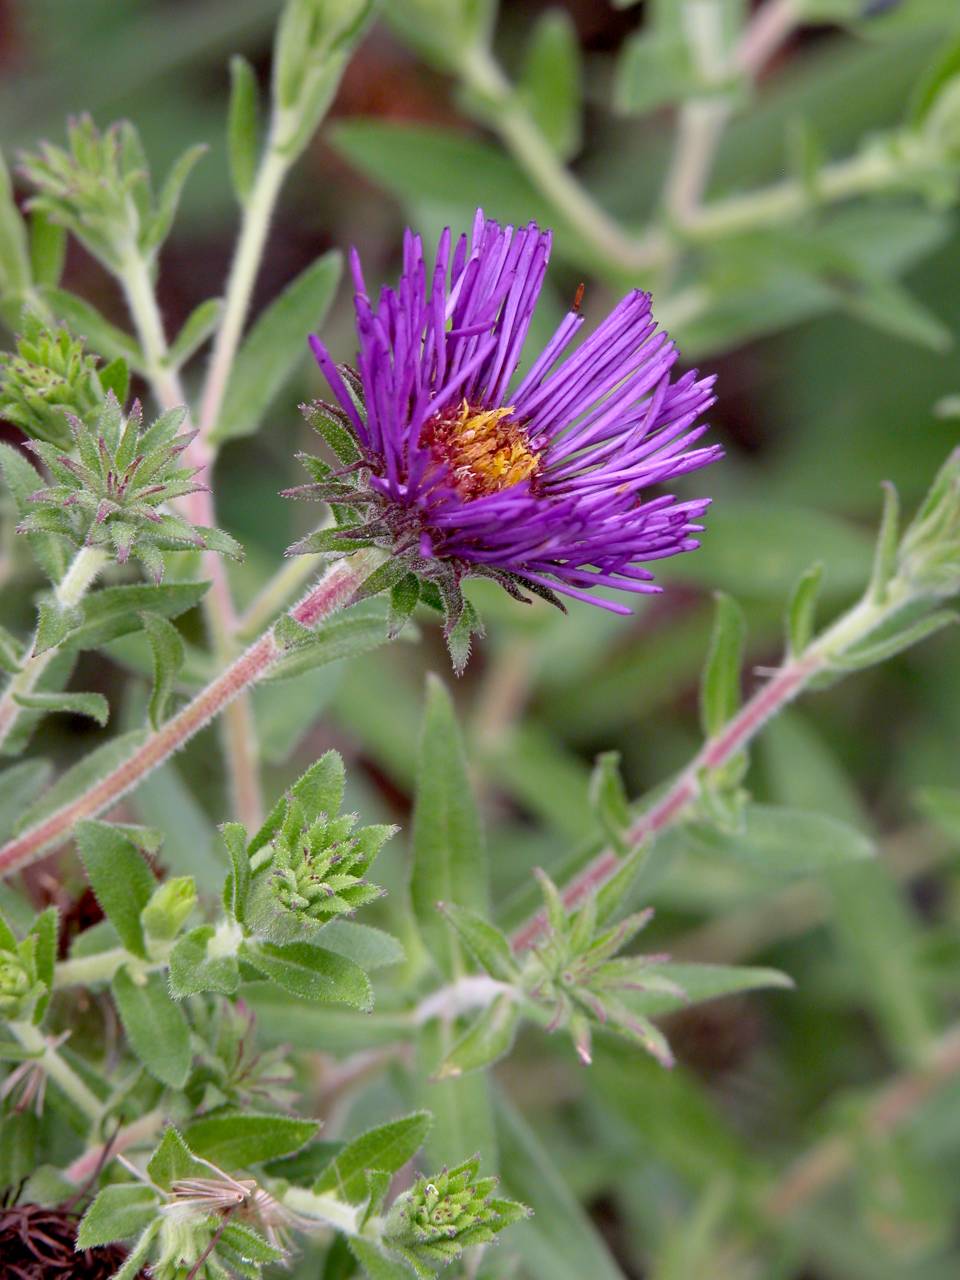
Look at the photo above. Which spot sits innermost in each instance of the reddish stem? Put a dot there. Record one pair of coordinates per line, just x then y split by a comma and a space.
781, 689
330, 594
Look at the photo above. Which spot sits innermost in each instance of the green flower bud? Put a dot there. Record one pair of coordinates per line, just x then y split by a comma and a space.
109, 491
314, 40
433, 1222
45, 379
169, 908
20, 988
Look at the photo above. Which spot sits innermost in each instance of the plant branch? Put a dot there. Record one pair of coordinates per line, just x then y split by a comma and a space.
138, 1133
239, 734
330, 594
785, 685
70, 590
257, 216
58, 1070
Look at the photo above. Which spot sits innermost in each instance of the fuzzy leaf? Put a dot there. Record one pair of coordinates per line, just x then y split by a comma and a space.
275, 346
488, 946
116, 611
173, 1160
48, 249
76, 781
312, 973
386, 1148
376, 1264
489, 1038
801, 609
92, 705
121, 880
550, 81
168, 653
193, 970
197, 328
156, 1027
449, 860
46, 931
720, 685
118, 1212
780, 841
236, 1140
86, 322
368, 947
243, 127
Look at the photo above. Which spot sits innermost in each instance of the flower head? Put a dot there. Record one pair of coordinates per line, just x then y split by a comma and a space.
462, 467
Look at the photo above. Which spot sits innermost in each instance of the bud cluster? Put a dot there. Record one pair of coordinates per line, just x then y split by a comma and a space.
99, 187
109, 491
20, 985
48, 377
431, 1224
577, 973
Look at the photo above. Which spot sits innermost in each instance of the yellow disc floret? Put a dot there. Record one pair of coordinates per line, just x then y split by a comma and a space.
485, 450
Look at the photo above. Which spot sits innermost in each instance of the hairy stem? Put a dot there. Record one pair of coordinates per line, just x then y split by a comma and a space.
84, 971
325, 1210
58, 1070
239, 728
70, 590
138, 1133
331, 593
789, 681
257, 216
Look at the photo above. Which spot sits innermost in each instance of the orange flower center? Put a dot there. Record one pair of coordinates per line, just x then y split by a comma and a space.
485, 450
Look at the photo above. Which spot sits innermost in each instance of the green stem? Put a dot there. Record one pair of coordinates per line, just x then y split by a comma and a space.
70, 590
58, 1070
239, 726
324, 1209
84, 971
257, 216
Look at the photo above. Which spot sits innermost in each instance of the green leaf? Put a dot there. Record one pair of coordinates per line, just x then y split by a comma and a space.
942, 806
319, 790
249, 1245
243, 126
484, 941
157, 230
461, 1106
121, 880
404, 597
92, 705
193, 969
368, 947
489, 1038
118, 1212
11, 652
449, 860
14, 255
197, 328
550, 82
237, 888
167, 648
45, 929
311, 973
720, 687
700, 983
608, 799
173, 1161
116, 611
18, 1148
115, 377
48, 249
156, 1027
275, 346
654, 69
888, 543
86, 322
386, 1148
896, 638
348, 636
237, 1140
84, 775
786, 842
801, 609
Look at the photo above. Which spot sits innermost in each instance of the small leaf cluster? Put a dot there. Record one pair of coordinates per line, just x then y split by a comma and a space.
110, 490
48, 377
308, 864
430, 1225
99, 188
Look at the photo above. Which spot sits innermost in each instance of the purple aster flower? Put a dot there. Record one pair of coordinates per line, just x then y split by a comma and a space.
546, 479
